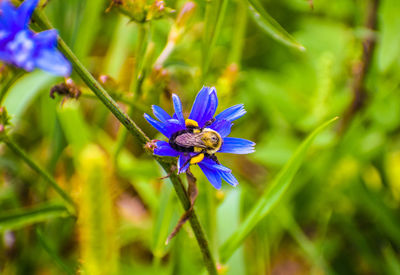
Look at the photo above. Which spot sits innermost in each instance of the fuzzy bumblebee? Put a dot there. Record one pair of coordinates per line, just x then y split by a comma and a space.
197, 139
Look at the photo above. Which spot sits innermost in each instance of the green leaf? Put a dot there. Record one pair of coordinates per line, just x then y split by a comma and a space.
271, 196
74, 125
90, 24
24, 217
392, 261
24, 91
162, 221
270, 26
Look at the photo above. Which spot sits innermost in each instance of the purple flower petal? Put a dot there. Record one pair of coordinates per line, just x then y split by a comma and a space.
9, 15
158, 125
229, 178
47, 39
52, 61
164, 149
23, 48
237, 146
214, 166
212, 175
232, 113
204, 106
200, 104
25, 11
223, 127
211, 107
160, 113
183, 163
173, 126
178, 109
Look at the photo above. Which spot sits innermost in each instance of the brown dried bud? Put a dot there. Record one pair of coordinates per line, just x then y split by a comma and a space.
68, 89
151, 145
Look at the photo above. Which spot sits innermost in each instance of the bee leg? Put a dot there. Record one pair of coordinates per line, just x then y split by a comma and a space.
214, 158
194, 157
208, 123
173, 169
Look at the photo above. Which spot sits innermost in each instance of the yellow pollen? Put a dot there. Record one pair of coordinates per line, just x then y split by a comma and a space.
197, 159
191, 122
198, 149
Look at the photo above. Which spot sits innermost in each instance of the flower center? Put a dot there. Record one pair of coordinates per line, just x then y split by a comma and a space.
22, 47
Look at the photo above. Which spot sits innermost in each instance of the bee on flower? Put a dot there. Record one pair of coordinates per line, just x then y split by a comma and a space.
23, 48
197, 139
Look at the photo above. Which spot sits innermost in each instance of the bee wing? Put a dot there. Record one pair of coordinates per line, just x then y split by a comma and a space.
190, 140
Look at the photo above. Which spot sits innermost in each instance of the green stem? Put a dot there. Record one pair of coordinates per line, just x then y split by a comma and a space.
17, 150
131, 126
193, 220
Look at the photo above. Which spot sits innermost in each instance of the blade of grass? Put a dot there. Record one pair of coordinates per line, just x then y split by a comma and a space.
271, 26
118, 50
271, 196
91, 15
23, 217
310, 249
213, 29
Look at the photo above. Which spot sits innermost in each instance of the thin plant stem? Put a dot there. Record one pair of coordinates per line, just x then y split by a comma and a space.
18, 151
135, 84
235, 55
212, 36
131, 126
361, 69
122, 99
143, 41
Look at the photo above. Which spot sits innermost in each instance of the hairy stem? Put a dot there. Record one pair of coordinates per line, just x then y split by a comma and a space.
17, 150
131, 126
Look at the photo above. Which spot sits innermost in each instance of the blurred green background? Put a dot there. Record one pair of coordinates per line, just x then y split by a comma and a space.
340, 214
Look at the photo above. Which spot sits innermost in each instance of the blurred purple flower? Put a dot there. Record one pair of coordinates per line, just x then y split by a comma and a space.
190, 139
25, 49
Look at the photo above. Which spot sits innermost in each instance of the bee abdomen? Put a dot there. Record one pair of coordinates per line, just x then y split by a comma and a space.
179, 143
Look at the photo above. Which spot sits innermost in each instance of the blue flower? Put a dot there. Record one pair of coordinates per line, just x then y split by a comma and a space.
25, 49
201, 122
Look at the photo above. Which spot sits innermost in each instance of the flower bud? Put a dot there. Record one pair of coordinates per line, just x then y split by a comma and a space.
186, 12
